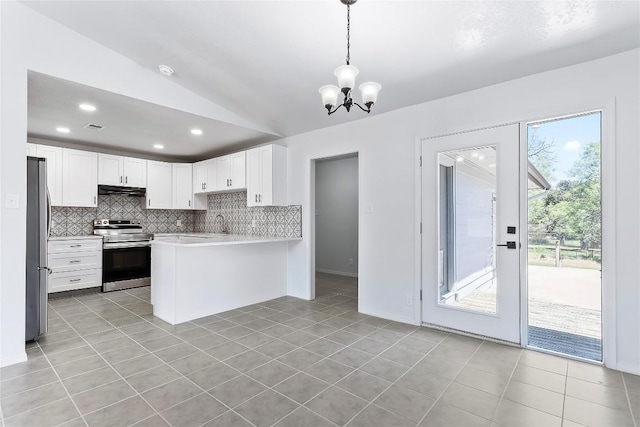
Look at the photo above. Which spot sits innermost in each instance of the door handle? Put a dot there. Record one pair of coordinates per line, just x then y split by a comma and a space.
120, 179
126, 179
509, 245
231, 182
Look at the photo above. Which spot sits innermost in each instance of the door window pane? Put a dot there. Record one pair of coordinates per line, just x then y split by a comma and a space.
467, 229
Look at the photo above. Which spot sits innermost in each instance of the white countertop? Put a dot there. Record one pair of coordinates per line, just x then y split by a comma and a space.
83, 237
212, 239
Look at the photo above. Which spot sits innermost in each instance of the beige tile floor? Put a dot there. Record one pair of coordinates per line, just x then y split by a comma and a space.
288, 362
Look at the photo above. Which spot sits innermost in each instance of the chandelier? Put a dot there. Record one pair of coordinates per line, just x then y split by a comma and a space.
346, 75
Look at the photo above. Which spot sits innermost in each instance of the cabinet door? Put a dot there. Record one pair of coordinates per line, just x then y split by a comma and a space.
200, 171
182, 185
79, 178
265, 198
224, 172
32, 149
254, 179
54, 171
135, 172
110, 170
238, 170
158, 185
212, 176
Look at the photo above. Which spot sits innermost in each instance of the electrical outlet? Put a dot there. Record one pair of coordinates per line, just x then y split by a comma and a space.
409, 299
179, 223
350, 261
253, 223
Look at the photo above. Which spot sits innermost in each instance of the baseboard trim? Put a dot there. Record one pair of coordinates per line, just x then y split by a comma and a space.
338, 273
629, 368
18, 358
389, 317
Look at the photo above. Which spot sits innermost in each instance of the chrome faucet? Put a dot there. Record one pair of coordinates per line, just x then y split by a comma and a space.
224, 227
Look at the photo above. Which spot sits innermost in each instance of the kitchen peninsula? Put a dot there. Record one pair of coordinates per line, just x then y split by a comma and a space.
197, 274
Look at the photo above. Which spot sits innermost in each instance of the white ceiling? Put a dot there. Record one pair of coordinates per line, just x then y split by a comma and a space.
129, 124
265, 60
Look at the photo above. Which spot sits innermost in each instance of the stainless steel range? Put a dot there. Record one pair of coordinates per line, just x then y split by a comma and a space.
126, 253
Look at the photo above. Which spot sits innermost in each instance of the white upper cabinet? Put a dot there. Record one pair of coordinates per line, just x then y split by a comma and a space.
79, 178
205, 176
135, 172
54, 171
159, 185
32, 149
232, 171
267, 176
122, 171
182, 185
110, 170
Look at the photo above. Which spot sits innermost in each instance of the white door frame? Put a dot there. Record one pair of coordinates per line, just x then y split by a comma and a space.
312, 215
608, 191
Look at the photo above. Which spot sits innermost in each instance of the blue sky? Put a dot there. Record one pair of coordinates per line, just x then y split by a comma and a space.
569, 137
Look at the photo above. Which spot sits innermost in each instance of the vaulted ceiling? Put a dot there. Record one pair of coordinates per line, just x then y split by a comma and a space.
265, 60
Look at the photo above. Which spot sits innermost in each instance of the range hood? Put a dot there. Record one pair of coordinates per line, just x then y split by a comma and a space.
126, 191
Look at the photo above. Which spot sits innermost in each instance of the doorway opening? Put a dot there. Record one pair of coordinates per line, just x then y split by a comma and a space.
336, 228
564, 236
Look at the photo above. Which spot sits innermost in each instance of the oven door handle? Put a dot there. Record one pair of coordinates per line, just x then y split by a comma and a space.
125, 245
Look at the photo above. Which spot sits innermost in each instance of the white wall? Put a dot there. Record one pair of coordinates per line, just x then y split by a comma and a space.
29, 41
386, 145
337, 216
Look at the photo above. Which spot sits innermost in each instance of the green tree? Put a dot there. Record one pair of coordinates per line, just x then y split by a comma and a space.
572, 210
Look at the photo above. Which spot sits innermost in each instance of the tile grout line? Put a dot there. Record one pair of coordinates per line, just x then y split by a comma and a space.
63, 386
118, 373
166, 364
626, 390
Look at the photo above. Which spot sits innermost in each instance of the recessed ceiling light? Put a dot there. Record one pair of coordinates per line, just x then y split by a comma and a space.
158, 146
165, 69
474, 154
63, 129
196, 131
480, 157
492, 165
460, 159
535, 126
87, 107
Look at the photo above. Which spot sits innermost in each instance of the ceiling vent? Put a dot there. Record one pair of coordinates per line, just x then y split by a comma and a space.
93, 126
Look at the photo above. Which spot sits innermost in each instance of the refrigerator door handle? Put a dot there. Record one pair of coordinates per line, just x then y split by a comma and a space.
48, 217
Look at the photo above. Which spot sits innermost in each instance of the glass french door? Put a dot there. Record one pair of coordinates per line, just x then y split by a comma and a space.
470, 232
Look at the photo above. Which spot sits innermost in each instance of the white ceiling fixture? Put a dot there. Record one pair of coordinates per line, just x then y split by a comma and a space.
165, 69
87, 107
62, 129
346, 75
196, 131
158, 146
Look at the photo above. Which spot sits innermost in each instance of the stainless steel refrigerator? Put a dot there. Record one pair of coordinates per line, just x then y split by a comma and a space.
38, 228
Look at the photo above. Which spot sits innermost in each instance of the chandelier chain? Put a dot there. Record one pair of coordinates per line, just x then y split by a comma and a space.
348, 39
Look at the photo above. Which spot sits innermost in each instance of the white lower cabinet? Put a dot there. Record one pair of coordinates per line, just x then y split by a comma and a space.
75, 264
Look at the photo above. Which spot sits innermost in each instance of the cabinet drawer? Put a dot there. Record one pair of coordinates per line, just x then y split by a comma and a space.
72, 280
74, 261
81, 245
